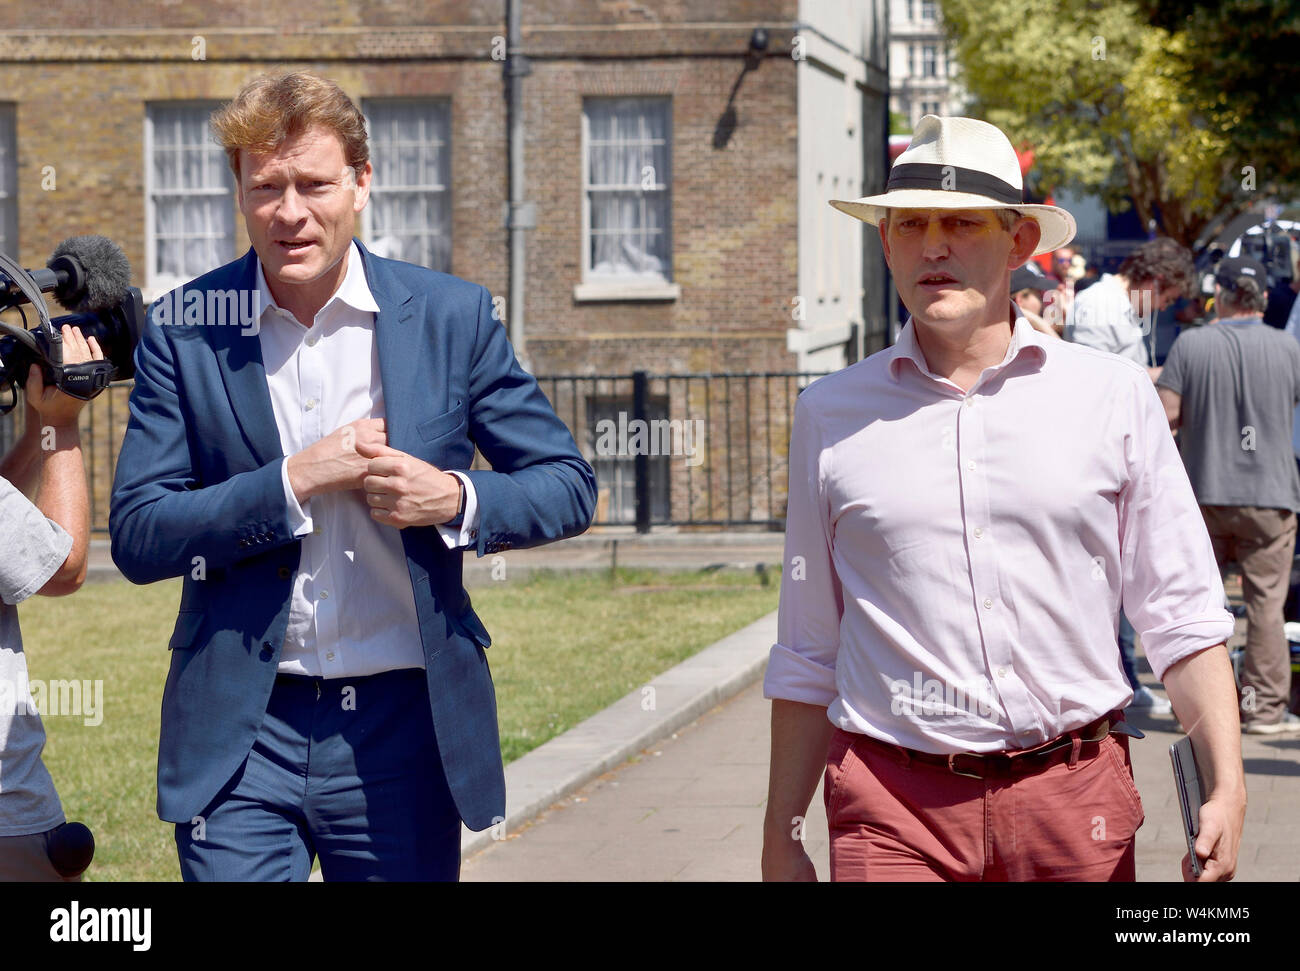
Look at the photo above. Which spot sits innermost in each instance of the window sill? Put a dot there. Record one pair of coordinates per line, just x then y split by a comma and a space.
611, 290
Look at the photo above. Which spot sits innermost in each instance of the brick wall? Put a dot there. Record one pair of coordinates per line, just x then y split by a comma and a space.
81, 93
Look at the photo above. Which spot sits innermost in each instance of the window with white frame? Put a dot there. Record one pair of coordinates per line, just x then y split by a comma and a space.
927, 10
409, 214
929, 61
190, 196
627, 189
8, 181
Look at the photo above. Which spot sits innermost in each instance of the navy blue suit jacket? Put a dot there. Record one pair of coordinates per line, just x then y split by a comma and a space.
199, 476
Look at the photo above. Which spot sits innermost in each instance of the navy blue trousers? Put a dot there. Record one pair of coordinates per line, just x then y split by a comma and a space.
346, 769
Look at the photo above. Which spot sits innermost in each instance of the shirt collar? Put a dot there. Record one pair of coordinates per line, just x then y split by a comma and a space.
353, 291
1240, 321
1024, 340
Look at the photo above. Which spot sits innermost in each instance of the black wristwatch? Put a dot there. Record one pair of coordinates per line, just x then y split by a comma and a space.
459, 518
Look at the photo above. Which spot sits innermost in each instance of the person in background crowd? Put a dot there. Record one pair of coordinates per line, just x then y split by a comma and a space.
1118, 314
1062, 260
1281, 296
1027, 290
1090, 276
1230, 390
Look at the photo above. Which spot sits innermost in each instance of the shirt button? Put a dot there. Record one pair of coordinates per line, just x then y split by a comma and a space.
979, 531
316, 531
970, 402
311, 341
329, 656
311, 403
987, 602
1002, 672
970, 466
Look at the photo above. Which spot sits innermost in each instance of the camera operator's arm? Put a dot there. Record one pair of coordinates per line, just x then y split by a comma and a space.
56, 464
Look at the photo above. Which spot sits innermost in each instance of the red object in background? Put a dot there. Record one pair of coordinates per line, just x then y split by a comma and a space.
1026, 159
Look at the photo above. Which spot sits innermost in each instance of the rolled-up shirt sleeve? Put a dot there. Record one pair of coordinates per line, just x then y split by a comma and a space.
34, 546
801, 666
1172, 590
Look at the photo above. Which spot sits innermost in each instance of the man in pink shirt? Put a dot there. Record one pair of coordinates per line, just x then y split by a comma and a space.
967, 511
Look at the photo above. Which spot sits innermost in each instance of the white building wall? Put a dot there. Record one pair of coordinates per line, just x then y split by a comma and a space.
838, 38
914, 26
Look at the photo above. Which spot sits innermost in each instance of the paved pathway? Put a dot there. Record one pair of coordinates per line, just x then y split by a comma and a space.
691, 808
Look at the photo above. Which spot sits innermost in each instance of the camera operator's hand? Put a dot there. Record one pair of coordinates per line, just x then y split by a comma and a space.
55, 408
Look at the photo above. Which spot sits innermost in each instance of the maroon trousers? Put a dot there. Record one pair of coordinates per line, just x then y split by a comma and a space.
895, 819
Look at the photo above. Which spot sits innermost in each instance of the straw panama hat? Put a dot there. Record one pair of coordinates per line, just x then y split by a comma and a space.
960, 163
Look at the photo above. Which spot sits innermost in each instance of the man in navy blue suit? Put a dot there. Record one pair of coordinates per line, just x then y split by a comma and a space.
293, 423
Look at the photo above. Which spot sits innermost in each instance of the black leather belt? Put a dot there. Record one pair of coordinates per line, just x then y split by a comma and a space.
982, 765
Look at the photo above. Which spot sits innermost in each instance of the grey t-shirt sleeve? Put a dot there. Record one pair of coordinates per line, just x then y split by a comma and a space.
34, 547
1171, 375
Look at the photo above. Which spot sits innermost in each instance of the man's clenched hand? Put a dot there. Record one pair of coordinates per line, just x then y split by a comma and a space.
1218, 838
402, 490
333, 464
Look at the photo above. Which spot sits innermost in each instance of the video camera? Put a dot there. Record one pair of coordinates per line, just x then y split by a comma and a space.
90, 276
1272, 248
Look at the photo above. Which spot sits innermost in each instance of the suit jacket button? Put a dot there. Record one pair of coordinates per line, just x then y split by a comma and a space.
283, 573
267, 653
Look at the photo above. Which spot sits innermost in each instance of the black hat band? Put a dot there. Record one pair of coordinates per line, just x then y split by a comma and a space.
952, 178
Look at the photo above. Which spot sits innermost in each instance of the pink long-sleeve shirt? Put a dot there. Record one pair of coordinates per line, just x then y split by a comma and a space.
955, 561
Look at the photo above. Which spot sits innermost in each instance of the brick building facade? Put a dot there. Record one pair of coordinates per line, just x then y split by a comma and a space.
93, 111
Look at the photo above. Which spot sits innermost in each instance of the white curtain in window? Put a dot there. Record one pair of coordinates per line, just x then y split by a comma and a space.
628, 179
409, 208
192, 191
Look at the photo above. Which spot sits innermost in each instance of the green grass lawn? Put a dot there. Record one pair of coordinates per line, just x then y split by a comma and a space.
564, 646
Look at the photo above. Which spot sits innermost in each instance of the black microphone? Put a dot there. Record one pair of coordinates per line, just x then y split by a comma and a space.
87, 274
71, 847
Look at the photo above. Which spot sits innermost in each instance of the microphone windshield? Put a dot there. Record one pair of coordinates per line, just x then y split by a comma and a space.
108, 273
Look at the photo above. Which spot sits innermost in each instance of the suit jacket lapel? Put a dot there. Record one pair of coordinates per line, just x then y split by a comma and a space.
400, 359
239, 358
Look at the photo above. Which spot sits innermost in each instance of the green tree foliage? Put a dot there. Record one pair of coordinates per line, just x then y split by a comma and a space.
1241, 65
1102, 96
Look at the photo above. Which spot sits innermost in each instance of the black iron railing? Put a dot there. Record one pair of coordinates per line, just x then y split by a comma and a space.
684, 449
706, 449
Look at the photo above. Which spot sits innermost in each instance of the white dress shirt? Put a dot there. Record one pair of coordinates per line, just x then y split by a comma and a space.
353, 611
955, 560
1103, 316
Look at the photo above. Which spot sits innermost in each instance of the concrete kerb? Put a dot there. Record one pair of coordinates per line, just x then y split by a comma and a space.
609, 738
664, 549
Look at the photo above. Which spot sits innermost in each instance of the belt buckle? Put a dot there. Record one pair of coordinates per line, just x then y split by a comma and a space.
956, 771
